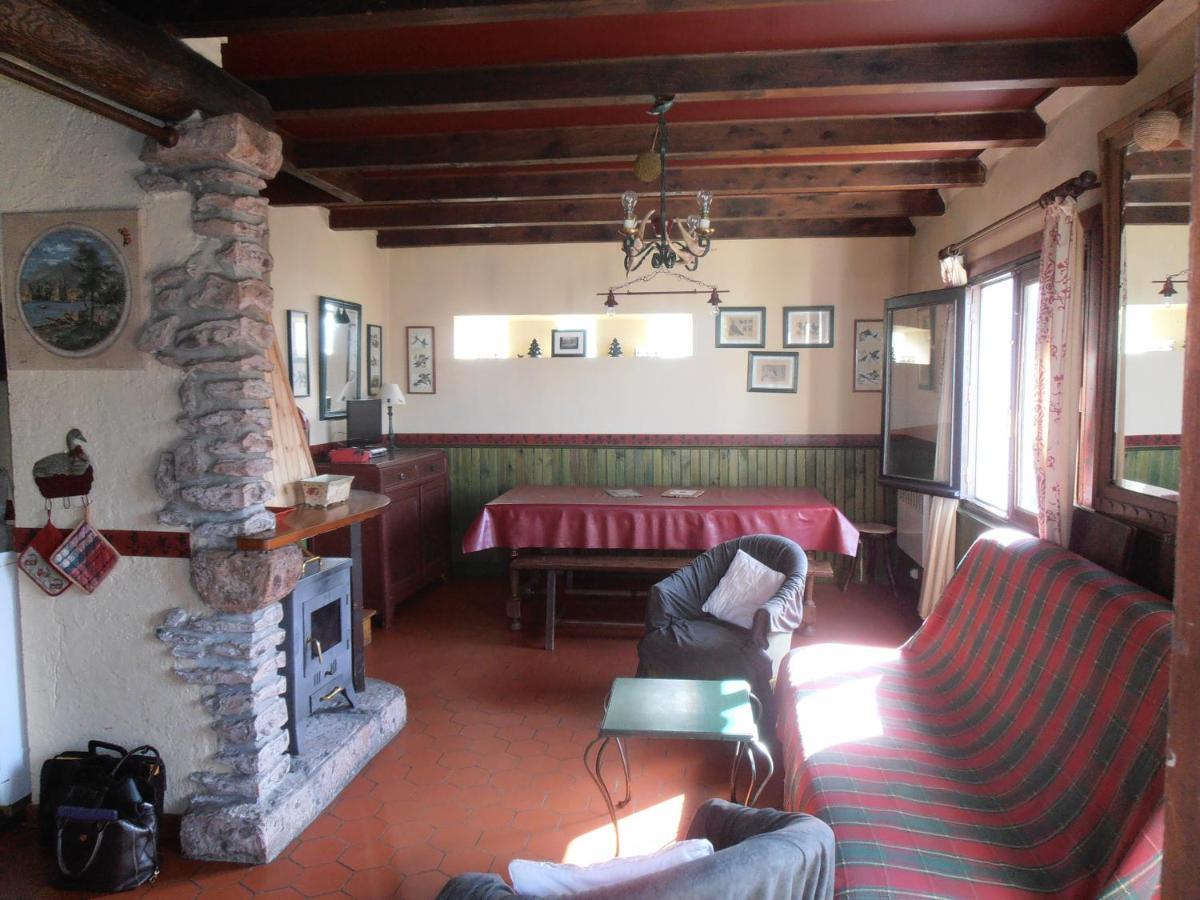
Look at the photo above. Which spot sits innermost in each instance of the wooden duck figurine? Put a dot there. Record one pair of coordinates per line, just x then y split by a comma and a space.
65, 474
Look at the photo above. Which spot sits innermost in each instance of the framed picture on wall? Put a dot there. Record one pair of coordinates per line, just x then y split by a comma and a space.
568, 342
374, 360
298, 372
742, 326
772, 373
418, 340
868, 355
808, 326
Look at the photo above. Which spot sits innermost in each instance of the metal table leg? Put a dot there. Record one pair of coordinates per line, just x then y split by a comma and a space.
593, 766
357, 651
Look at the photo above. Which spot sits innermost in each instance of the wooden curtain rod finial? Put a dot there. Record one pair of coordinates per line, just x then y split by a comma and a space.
1073, 187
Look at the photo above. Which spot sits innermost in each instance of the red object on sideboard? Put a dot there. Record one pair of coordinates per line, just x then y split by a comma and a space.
408, 546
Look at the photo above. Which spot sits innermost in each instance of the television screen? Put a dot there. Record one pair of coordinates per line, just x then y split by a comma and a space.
364, 421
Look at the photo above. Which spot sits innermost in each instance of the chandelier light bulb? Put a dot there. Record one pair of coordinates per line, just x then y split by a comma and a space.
610, 305
628, 202
714, 302
704, 198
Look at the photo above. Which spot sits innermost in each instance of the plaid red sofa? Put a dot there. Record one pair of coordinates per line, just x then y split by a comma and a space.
1013, 747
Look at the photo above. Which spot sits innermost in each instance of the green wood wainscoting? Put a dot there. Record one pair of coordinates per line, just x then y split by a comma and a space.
843, 468
1158, 466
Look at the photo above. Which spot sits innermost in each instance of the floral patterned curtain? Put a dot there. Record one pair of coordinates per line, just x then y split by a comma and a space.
1058, 354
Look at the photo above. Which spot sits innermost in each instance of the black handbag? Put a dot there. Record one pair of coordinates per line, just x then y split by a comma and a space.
103, 811
82, 777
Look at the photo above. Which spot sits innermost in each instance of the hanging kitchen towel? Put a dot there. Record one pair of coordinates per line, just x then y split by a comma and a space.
34, 560
85, 556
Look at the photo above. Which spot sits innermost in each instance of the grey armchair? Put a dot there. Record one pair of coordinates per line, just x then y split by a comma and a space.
683, 641
761, 854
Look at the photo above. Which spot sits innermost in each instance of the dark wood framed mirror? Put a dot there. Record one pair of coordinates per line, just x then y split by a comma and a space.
339, 336
1136, 321
922, 392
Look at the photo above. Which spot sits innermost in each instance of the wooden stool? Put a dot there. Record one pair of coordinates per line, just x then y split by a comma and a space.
817, 568
873, 537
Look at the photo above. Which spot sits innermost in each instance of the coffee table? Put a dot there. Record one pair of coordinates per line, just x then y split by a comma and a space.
676, 708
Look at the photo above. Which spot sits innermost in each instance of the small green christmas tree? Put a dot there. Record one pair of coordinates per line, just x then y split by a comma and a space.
535, 349
614, 349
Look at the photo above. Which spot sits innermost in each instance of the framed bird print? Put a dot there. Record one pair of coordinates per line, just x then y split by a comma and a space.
298, 370
868, 355
418, 339
374, 360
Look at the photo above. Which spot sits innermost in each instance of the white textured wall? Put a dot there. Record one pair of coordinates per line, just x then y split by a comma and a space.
703, 394
311, 262
93, 667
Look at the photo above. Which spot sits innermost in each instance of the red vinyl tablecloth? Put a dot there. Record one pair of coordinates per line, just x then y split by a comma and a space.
588, 518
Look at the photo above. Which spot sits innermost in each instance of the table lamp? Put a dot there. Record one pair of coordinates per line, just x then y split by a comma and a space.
394, 397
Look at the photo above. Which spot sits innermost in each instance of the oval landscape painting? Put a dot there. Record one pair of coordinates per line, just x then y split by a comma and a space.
74, 291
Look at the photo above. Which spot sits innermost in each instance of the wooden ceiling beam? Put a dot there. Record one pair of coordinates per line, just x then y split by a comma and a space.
781, 73
607, 234
696, 140
729, 180
218, 18
607, 211
92, 45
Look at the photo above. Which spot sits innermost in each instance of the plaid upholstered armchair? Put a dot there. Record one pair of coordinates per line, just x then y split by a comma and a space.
683, 641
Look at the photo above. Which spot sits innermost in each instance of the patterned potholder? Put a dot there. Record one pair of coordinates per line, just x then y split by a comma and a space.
85, 557
34, 560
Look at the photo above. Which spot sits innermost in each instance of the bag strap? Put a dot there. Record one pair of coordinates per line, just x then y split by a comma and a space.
58, 852
93, 746
136, 751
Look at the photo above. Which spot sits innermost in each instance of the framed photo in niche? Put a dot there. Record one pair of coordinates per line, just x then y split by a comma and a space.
808, 326
418, 341
868, 355
298, 369
374, 360
742, 326
772, 373
75, 279
568, 342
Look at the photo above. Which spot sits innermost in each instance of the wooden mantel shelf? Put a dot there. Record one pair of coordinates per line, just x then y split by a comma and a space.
309, 521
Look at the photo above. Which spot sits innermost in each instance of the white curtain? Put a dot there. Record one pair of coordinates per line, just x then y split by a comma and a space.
941, 513
1058, 354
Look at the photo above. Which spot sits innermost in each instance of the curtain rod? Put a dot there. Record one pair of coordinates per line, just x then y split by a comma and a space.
164, 134
1073, 187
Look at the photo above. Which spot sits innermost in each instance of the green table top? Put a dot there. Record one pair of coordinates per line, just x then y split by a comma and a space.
680, 708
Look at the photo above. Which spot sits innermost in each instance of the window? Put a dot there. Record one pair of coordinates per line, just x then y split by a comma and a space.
1001, 371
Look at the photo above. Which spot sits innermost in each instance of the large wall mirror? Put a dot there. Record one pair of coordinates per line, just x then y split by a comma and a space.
340, 336
1143, 311
922, 392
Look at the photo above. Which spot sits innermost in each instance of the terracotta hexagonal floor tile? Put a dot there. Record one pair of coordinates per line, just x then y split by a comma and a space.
212, 875
406, 834
564, 751
362, 807
504, 840
280, 873
487, 746
421, 858
542, 720
468, 777
508, 781
558, 780
481, 795
323, 826
422, 775
522, 798
478, 730
361, 831
425, 756
536, 820
373, 883
574, 799
526, 747
186, 891
367, 854
515, 732
491, 817
315, 853
282, 894
539, 763
458, 759
501, 762
467, 859
443, 814
425, 886
322, 879
402, 810
457, 836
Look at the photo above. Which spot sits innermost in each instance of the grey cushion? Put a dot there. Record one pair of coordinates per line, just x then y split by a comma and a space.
761, 854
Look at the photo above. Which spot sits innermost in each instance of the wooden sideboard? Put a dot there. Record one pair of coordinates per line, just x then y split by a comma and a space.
408, 546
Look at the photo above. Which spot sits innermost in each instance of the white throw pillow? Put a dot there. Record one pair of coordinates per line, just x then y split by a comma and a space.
746, 586
544, 879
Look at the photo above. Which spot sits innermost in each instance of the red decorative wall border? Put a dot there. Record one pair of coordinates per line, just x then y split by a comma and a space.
160, 544
631, 440
1153, 440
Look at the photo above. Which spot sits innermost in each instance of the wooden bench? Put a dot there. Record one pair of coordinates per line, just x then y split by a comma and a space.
555, 564
817, 568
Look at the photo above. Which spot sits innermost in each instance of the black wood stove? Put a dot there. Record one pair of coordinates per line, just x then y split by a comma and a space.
319, 667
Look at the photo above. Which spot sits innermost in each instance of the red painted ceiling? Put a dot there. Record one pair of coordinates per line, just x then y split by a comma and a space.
799, 26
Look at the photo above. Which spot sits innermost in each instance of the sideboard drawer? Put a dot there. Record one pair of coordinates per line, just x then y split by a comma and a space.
393, 475
435, 466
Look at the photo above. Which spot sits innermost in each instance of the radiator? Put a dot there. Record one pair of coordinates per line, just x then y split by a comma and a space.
910, 524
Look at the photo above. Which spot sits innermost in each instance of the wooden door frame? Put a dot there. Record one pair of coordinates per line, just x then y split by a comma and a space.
1181, 855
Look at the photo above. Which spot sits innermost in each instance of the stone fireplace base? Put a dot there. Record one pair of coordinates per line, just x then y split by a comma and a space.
338, 745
